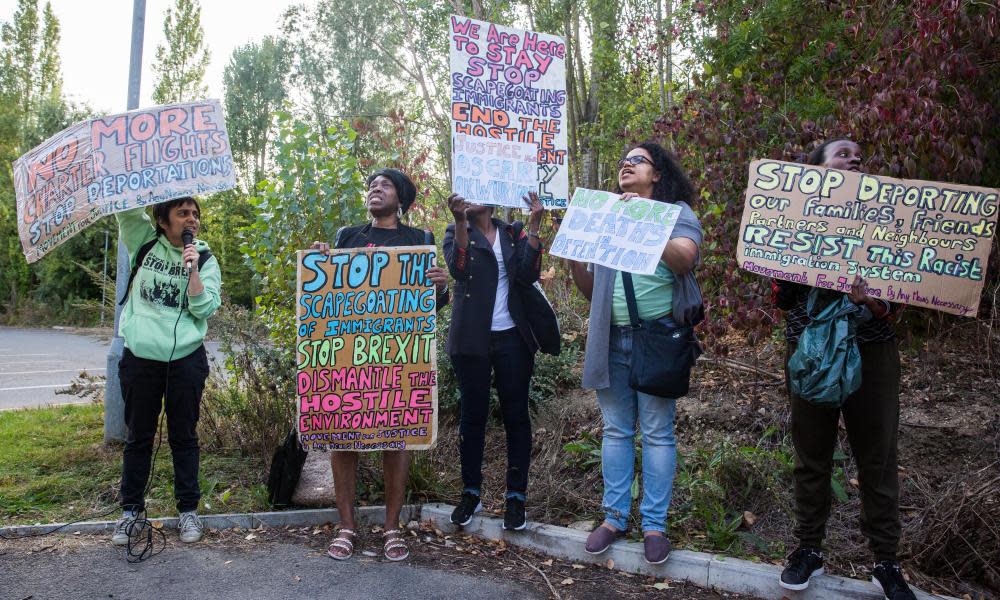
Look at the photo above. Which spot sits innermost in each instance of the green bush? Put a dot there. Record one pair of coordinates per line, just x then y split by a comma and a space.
251, 406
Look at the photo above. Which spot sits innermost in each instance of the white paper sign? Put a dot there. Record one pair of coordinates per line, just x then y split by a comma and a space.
509, 85
500, 171
602, 229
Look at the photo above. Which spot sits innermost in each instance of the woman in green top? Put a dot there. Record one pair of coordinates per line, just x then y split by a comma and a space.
174, 289
647, 171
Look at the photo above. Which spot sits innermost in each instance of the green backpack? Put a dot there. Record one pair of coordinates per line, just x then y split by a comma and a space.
826, 366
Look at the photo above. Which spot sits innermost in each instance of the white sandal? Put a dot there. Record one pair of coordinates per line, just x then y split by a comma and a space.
393, 543
345, 543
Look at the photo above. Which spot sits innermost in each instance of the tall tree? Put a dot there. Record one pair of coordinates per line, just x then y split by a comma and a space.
180, 65
255, 83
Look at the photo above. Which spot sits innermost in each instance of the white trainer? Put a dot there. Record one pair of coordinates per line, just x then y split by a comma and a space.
190, 527
120, 535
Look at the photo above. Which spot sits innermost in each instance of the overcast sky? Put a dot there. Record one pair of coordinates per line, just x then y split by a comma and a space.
96, 38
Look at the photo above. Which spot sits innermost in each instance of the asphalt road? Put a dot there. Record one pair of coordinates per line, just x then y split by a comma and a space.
35, 363
272, 571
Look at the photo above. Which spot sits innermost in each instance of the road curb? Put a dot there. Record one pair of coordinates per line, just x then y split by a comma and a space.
700, 568
288, 518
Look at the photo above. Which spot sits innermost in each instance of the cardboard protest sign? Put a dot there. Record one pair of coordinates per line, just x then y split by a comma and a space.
628, 236
366, 355
110, 164
508, 96
915, 242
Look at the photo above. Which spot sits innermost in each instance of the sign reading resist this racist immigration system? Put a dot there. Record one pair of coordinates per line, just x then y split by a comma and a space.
366, 356
915, 242
602, 229
115, 163
508, 101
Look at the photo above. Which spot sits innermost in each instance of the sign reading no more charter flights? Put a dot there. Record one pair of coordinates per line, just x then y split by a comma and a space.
366, 356
109, 164
601, 228
508, 111
915, 242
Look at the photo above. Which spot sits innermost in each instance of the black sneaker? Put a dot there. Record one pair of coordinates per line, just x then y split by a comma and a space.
467, 506
888, 577
802, 564
513, 517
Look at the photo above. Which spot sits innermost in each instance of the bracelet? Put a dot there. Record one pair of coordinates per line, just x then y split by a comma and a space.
533, 235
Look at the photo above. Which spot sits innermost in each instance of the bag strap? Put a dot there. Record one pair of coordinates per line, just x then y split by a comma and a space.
139, 257
633, 308
203, 256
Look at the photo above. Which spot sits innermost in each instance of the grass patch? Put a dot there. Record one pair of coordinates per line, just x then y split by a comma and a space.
54, 466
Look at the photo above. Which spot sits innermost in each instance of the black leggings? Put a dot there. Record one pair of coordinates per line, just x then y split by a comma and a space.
511, 363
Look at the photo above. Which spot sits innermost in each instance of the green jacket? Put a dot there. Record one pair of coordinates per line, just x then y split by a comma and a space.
159, 291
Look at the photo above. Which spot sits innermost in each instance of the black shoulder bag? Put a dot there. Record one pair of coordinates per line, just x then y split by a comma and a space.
662, 356
286, 468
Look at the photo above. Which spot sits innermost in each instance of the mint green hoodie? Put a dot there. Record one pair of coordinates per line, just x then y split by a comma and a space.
157, 295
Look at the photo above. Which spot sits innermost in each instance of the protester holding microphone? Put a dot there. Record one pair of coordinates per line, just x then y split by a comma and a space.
174, 288
490, 339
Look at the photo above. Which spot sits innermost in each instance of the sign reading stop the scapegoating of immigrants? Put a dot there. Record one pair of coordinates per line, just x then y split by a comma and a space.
508, 101
366, 356
915, 242
110, 164
602, 229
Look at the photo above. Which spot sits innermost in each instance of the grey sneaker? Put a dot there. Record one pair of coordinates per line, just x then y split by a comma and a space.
190, 527
120, 536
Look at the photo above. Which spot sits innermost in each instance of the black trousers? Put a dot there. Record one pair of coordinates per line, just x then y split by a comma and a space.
144, 385
871, 415
511, 363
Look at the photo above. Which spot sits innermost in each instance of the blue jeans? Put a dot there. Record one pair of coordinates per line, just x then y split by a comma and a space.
621, 407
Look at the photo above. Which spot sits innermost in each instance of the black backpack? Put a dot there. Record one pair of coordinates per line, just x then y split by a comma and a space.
286, 467
203, 256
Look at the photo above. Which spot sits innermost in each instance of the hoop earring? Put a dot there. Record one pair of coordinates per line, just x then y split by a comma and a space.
399, 213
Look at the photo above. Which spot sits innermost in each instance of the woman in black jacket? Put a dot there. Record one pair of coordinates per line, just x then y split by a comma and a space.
490, 338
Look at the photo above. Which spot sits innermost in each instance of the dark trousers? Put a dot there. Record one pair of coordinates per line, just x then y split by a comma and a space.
144, 385
511, 363
871, 416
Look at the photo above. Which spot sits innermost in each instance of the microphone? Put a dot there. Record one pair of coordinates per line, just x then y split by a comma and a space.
187, 237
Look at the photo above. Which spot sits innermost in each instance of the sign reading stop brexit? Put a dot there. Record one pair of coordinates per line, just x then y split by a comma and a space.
366, 353
119, 162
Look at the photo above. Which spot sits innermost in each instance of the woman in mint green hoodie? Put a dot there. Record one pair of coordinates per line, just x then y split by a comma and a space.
164, 323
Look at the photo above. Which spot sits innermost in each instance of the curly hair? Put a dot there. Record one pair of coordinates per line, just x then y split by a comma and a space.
674, 185
817, 156
161, 211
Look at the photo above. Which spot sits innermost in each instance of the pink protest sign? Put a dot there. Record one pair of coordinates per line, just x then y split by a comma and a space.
110, 164
508, 87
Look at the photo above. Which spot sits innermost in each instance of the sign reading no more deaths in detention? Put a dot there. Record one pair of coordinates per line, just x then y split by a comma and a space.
366, 356
915, 242
109, 164
601, 228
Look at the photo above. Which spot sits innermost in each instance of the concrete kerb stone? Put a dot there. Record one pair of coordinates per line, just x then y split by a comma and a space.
700, 568
288, 518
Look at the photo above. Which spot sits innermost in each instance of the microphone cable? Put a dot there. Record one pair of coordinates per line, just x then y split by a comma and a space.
141, 544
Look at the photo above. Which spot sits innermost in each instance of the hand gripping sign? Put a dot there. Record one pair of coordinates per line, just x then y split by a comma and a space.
109, 164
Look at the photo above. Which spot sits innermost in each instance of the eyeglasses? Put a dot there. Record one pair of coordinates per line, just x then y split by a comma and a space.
633, 161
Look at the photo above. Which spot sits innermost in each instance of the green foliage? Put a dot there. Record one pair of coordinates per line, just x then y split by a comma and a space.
716, 485
250, 405
316, 189
180, 65
255, 82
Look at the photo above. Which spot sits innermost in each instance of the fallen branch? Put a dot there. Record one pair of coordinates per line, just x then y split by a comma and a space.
540, 572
